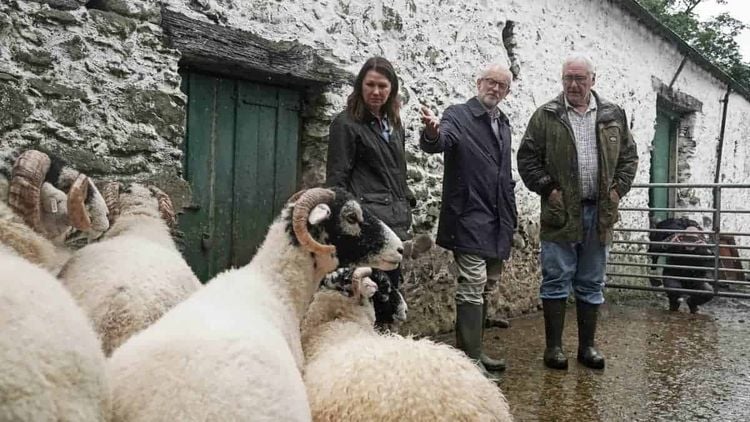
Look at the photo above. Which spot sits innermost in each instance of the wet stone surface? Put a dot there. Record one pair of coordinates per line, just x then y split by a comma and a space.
661, 366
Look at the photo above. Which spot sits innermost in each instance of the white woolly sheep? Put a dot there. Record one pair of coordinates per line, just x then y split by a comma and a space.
51, 364
355, 374
135, 274
232, 350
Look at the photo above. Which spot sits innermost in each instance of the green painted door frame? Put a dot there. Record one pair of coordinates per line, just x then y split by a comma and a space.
663, 162
241, 160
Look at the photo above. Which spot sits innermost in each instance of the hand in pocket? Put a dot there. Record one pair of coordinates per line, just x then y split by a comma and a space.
555, 197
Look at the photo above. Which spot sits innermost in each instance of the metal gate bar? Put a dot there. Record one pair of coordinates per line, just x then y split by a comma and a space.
714, 235
676, 255
676, 290
680, 267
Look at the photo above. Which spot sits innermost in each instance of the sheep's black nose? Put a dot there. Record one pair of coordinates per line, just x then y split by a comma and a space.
400, 251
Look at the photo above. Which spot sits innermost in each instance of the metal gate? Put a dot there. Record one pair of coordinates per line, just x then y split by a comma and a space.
727, 273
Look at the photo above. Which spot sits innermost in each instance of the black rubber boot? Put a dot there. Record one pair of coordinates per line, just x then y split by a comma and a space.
469, 334
554, 321
488, 362
587, 354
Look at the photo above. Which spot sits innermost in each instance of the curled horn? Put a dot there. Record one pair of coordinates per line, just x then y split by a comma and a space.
111, 194
295, 197
27, 177
305, 203
79, 216
166, 209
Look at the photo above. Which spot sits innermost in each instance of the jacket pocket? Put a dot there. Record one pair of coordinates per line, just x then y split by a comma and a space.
554, 213
376, 198
609, 208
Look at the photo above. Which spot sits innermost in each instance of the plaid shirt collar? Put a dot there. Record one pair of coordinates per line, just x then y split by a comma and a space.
592, 104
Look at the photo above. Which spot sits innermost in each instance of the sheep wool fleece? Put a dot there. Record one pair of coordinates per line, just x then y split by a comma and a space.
354, 374
51, 366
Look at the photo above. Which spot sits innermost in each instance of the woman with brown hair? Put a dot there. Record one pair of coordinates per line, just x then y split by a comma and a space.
366, 153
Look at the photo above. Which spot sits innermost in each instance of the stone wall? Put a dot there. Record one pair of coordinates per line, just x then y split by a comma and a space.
98, 86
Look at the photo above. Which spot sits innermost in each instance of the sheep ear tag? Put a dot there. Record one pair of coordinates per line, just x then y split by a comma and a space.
320, 213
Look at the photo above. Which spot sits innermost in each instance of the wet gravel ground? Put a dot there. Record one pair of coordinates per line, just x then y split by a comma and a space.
660, 366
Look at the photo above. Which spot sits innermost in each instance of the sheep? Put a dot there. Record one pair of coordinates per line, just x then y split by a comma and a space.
135, 273
85, 208
392, 307
232, 350
39, 216
51, 365
355, 374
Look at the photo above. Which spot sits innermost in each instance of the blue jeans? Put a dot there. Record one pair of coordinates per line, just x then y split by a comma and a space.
580, 265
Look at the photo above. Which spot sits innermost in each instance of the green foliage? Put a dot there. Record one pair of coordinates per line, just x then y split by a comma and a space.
714, 38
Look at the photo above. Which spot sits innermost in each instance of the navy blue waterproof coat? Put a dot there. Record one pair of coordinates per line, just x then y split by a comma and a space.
478, 214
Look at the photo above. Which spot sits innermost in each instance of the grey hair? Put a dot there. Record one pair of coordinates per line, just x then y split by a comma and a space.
484, 70
580, 58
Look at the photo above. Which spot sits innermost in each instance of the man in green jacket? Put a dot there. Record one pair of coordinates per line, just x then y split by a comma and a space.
579, 156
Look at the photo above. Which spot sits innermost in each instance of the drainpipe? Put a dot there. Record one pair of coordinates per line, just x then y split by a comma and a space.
720, 147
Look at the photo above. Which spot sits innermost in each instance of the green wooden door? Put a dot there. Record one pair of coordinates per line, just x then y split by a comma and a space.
661, 162
241, 160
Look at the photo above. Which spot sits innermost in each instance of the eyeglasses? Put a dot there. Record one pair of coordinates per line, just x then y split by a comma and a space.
577, 79
493, 83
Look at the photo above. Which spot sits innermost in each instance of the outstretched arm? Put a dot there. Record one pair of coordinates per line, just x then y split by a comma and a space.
438, 135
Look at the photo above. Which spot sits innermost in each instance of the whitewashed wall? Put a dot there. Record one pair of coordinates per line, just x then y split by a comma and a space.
438, 46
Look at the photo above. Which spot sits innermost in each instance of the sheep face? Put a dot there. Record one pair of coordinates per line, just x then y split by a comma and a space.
390, 305
340, 225
360, 238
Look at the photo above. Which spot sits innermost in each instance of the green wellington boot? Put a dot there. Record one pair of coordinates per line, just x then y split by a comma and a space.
469, 334
488, 362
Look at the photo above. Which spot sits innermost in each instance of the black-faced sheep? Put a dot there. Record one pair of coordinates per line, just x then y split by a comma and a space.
232, 350
135, 273
51, 365
355, 374
692, 245
390, 306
